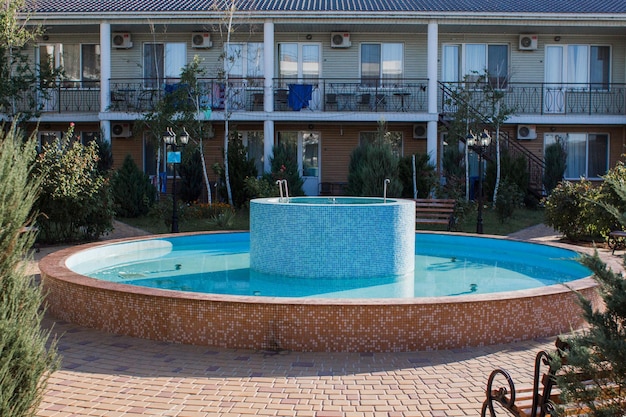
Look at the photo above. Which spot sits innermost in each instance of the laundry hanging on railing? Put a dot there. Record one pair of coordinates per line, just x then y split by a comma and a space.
299, 96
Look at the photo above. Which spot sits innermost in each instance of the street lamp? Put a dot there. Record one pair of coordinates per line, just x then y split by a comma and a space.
480, 145
174, 158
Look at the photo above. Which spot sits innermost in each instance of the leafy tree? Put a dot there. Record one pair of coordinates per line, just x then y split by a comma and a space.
133, 194
556, 163
75, 200
21, 88
371, 164
599, 352
25, 360
183, 110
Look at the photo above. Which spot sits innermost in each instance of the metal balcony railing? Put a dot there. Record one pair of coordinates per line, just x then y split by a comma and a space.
549, 98
61, 97
350, 95
289, 94
326, 95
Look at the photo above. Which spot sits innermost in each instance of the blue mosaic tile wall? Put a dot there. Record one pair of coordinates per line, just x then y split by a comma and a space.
332, 240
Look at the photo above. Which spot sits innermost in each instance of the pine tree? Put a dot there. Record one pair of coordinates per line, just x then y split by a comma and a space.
599, 352
25, 361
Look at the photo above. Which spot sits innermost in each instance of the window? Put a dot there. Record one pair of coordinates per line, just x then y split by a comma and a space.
244, 60
381, 64
578, 66
80, 63
393, 138
587, 153
473, 60
300, 61
163, 61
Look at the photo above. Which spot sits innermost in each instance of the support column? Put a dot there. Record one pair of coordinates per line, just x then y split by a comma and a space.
268, 66
433, 90
268, 144
268, 92
105, 77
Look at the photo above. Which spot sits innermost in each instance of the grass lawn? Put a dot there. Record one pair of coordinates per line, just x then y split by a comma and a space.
521, 219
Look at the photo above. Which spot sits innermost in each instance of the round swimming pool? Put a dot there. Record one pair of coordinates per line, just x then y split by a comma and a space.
466, 316
447, 265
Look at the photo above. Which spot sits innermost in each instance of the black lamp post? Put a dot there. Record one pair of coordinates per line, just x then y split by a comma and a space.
480, 145
174, 158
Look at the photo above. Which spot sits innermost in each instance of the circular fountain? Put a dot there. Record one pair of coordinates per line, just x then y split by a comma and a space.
336, 237
331, 240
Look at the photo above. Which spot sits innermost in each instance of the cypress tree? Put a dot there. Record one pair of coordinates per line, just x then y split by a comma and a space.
25, 361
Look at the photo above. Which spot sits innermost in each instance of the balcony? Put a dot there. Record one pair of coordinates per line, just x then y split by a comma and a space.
325, 95
549, 99
61, 97
247, 94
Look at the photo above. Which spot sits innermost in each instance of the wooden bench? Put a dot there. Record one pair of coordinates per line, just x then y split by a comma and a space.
540, 399
435, 211
616, 240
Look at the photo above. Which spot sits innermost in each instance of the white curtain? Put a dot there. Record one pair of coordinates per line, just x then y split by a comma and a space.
576, 145
475, 59
450, 69
175, 59
577, 65
554, 100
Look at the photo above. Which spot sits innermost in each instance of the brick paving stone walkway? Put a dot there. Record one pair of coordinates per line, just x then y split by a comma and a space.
108, 375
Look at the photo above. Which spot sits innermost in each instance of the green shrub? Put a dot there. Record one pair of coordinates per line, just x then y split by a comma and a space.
370, 165
509, 198
26, 361
425, 175
261, 187
555, 162
513, 169
612, 197
133, 193
223, 220
572, 209
284, 166
75, 200
239, 167
191, 176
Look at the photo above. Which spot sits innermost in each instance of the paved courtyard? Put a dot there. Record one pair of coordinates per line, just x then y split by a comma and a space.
108, 375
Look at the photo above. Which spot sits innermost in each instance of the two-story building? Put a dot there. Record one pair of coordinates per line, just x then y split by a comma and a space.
322, 74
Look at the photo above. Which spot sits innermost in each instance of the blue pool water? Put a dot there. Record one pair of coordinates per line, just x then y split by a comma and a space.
445, 265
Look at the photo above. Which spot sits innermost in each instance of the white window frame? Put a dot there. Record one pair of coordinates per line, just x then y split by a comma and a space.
567, 66
382, 79
174, 60
301, 74
550, 138
458, 70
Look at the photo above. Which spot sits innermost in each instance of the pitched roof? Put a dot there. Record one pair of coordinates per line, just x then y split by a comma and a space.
417, 6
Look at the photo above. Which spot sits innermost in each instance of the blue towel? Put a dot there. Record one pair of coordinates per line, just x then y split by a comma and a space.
299, 95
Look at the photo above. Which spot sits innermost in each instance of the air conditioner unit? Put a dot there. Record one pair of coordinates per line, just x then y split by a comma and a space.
201, 40
419, 131
121, 130
122, 40
526, 132
340, 40
527, 42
